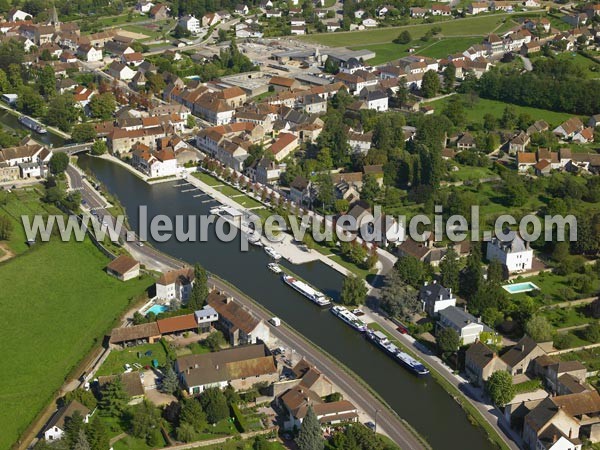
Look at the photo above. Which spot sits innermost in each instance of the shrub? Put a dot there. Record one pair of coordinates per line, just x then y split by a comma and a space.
239, 419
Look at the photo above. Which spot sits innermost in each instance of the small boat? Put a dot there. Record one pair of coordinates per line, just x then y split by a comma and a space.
410, 363
215, 210
32, 124
308, 291
349, 318
274, 267
254, 239
272, 253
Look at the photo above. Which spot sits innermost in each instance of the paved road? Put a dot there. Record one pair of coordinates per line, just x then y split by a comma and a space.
364, 400
387, 420
472, 395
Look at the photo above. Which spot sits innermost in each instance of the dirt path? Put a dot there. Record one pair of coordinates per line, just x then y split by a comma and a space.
5, 252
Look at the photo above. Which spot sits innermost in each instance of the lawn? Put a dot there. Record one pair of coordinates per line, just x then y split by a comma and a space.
120, 20
208, 179
567, 317
448, 46
589, 358
133, 443
469, 173
467, 27
589, 68
117, 359
235, 194
481, 106
553, 288
57, 303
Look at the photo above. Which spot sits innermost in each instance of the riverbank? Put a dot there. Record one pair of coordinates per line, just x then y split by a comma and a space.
51, 129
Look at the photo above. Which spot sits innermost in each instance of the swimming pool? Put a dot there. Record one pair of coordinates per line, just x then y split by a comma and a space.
520, 287
157, 309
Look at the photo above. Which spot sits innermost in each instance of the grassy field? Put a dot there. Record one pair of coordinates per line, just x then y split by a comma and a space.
448, 46
475, 111
56, 303
589, 68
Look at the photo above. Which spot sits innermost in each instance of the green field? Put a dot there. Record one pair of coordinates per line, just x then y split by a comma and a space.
590, 69
476, 110
448, 46
57, 303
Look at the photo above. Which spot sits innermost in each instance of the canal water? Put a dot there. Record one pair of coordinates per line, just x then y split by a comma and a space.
422, 402
8, 120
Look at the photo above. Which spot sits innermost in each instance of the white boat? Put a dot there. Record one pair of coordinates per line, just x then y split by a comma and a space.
381, 340
308, 291
215, 210
349, 318
272, 253
274, 267
254, 239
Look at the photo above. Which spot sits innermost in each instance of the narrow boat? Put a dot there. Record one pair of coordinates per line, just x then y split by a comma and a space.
309, 292
274, 267
32, 124
272, 253
349, 318
410, 363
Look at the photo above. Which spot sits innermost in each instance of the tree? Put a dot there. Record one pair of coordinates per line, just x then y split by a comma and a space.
214, 404
192, 413
6, 228
99, 148
47, 81
170, 383
397, 298
411, 270
103, 106
58, 163
84, 132
186, 433
311, 435
403, 38
592, 333
190, 121
98, 436
81, 443
144, 420
326, 194
215, 341
495, 272
155, 83
370, 190
354, 291
4, 83
200, 288
448, 340
500, 387
30, 102
431, 84
113, 398
450, 269
472, 276
86, 398
402, 92
62, 112
538, 328
449, 76
73, 425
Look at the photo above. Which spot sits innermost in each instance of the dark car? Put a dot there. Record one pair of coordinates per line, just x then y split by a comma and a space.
402, 329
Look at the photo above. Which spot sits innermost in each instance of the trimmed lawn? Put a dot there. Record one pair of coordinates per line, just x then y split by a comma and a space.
468, 173
208, 179
566, 317
121, 20
469, 26
476, 110
133, 443
243, 445
448, 46
385, 52
57, 303
115, 363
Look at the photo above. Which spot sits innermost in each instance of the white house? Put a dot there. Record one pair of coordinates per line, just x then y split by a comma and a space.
466, 325
143, 6
359, 13
121, 71
175, 285
155, 164
515, 254
434, 297
16, 15
89, 53
370, 23
56, 427
190, 23
206, 316
377, 99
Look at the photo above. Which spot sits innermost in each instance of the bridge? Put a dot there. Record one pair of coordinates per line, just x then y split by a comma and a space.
73, 149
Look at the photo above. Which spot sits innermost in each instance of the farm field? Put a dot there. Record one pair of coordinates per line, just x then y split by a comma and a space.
57, 303
481, 106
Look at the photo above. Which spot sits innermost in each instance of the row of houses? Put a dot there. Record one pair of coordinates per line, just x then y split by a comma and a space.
27, 160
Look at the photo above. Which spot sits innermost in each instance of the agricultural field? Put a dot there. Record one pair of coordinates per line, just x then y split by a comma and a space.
57, 303
475, 110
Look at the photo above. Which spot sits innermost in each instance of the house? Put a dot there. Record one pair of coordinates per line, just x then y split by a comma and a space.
121, 71
539, 126
300, 190
298, 399
568, 128
434, 297
466, 142
205, 317
240, 367
16, 15
210, 19
513, 252
190, 23
143, 6
133, 59
594, 121
584, 136
283, 83
56, 426
532, 3
359, 13
375, 99
519, 359
370, 23
417, 12
440, 10
481, 362
239, 325
159, 12
145, 333
530, 48
477, 7
359, 142
175, 285
525, 161
283, 146
467, 326
82, 96
89, 53
332, 26
124, 268
177, 324
242, 8
423, 251
132, 385
518, 143
547, 426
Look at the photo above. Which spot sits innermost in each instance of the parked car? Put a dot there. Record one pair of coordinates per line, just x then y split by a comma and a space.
402, 329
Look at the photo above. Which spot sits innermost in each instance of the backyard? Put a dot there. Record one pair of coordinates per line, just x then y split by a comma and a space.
57, 303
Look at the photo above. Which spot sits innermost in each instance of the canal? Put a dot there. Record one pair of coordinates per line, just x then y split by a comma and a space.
10, 121
422, 402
